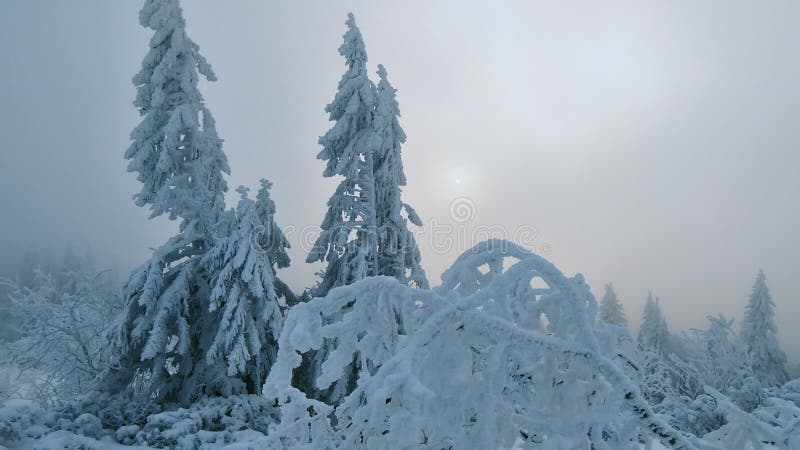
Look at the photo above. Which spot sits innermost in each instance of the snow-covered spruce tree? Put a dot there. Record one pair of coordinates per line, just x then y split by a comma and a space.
657, 374
611, 309
158, 344
271, 240
347, 242
348, 239
653, 332
244, 291
398, 253
175, 150
759, 335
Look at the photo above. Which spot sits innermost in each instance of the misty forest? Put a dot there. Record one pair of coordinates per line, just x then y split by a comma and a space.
203, 345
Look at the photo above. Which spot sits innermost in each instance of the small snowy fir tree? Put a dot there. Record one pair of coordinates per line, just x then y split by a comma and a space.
347, 242
759, 335
398, 254
270, 239
244, 291
611, 309
653, 332
160, 337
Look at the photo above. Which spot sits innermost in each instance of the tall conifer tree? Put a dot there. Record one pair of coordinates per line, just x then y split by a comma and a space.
398, 254
611, 309
204, 296
348, 242
759, 335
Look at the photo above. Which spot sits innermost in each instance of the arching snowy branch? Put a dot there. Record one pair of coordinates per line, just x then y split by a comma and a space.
467, 364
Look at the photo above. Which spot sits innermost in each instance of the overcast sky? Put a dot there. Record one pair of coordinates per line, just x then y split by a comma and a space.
652, 144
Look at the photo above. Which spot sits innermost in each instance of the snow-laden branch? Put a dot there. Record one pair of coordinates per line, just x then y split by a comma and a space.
747, 431
502, 353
